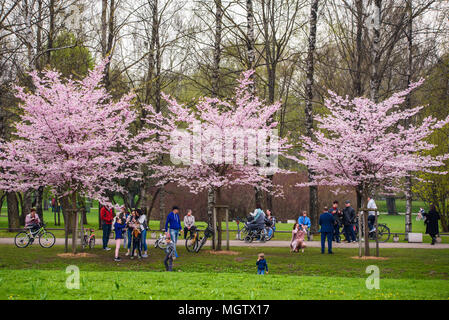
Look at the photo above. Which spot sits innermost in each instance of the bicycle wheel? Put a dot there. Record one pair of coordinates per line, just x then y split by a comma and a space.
243, 233
269, 233
162, 245
263, 235
92, 243
383, 233
85, 241
47, 239
200, 244
191, 243
22, 239
248, 239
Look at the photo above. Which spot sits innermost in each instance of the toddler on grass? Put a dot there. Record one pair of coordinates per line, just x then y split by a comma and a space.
261, 264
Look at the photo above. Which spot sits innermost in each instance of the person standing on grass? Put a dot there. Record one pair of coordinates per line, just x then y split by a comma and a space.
106, 215
348, 222
338, 217
371, 214
130, 220
304, 221
261, 264
137, 239
119, 227
326, 223
144, 228
170, 251
298, 235
189, 223
432, 218
173, 225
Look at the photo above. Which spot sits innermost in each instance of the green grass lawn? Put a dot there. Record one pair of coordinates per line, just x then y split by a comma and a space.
37, 273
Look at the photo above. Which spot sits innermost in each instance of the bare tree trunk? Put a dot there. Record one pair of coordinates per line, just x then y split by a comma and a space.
51, 29
162, 209
313, 190
74, 222
217, 49
375, 51
408, 183
359, 50
25, 206
39, 211
13, 211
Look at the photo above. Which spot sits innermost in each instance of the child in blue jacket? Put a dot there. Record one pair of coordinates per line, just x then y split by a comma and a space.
261, 264
119, 225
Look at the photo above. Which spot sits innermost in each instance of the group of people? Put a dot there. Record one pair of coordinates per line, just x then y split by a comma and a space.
132, 227
129, 227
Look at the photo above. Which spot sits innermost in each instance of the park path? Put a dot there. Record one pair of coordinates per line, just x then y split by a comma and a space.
278, 243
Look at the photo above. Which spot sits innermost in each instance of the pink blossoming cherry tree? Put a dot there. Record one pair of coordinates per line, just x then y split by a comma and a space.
364, 144
71, 137
216, 143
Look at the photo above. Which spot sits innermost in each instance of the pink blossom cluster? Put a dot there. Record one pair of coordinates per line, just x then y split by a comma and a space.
365, 144
71, 137
209, 123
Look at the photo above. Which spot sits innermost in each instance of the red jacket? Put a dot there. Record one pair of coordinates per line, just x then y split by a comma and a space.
106, 215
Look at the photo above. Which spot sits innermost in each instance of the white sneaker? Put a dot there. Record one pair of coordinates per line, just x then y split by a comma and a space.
107, 249
302, 250
127, 254
145, 255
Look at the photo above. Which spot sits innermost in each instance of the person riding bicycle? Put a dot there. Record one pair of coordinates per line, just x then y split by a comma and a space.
258, 221
32, 221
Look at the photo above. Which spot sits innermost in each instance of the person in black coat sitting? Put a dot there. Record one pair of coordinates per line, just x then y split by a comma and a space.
431, 222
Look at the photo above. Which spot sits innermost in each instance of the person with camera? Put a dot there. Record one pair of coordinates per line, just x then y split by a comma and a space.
431, 222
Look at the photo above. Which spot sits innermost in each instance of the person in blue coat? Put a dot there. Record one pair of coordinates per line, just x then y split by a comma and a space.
326, 222
173, 225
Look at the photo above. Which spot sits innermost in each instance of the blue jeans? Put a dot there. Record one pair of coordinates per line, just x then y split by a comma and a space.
130, 238
106, 232
144, 240
174, 237
329, 241
260, 271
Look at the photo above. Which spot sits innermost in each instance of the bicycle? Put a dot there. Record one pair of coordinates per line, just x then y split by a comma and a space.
161, 242
383, 232
194, 243
26, 237
89, 238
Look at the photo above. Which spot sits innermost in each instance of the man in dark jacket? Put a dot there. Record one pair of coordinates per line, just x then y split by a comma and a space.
432, 218
326, 222
338, 220
348, 222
